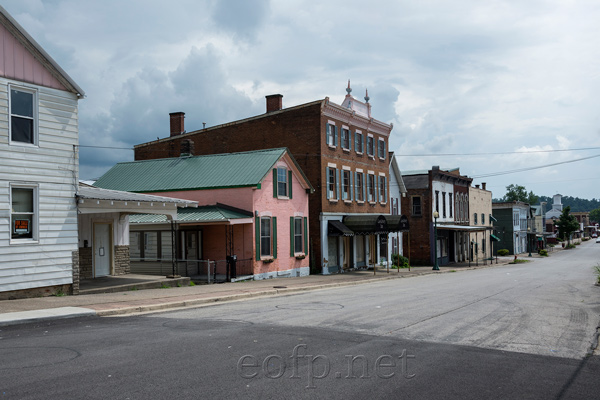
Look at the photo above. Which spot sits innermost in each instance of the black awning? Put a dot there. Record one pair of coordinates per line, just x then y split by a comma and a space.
373, 224
337, 228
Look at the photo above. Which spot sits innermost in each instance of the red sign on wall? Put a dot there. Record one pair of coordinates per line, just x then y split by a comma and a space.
21, 226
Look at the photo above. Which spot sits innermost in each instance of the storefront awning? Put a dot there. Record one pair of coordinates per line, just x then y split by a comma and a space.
337, 228
494, 238
373, 224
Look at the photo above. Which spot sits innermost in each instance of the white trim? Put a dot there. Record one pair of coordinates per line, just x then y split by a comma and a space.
382, 174
35, 93
330, 122
332, 165
265, 214
359, 170
35, 231
346, 168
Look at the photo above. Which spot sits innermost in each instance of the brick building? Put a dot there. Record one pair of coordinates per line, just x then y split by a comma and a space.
341, 149
446, 193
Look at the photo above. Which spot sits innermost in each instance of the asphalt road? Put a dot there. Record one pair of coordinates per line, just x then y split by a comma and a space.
518, 331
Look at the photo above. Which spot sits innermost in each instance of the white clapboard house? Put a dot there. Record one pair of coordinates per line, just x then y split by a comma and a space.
41, 203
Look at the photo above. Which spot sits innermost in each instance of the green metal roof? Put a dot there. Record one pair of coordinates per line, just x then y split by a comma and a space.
245, 169
218, 213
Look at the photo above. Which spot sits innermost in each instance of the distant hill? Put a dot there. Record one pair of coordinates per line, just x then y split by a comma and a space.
576, 204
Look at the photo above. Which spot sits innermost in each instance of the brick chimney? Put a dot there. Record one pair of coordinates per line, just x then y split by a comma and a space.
177, 126
274, 102
483, 185
187, 148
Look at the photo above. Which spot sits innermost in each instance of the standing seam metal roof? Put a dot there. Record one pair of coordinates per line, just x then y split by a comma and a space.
245, 169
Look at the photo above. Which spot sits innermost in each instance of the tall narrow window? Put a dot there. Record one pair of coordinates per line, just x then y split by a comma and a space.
416, 205
381, 149
332, 184
382, 190
437, 201
282, 184
474, 218
345, 138
345, 185
450, 203
22, 116
265, 236
444, 204
298, 235
359, 140
370, 146
371, 187
360, 186
331, 135
23, 216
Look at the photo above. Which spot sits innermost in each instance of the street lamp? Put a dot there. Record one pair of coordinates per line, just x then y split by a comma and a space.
436, 215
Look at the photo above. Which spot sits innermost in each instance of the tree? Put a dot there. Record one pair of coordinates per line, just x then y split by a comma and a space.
566, 224
519, 193
595, 215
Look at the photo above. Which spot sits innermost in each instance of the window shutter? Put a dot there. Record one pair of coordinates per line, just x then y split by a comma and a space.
274, 239
376, 188
257, 234
362, 138
384, 149
327, 182
305, 233
274, 182
349, 139
355, 141
338, 183
335, 136
385, 194
355, 185
290, 183
292, 250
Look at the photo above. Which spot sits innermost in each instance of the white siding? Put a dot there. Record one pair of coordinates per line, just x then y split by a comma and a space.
52, 166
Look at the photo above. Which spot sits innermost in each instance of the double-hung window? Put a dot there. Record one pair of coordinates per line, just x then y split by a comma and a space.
331, 135
450, 203
265, 237
346, 185
437, 201
382, 189
298, 242
360, 186
482, 219
370, 146
23, 212
444, 204
371, 187
282, 184
416, 205
332, 183
474, 218
381, 148
23, 115
359, 142
345, 138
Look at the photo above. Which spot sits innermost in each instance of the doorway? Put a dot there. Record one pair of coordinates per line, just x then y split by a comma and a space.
102, 249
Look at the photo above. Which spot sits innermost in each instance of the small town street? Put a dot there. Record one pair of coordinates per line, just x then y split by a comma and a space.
510, 331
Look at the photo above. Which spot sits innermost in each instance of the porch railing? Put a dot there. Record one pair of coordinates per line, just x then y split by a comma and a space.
209, 271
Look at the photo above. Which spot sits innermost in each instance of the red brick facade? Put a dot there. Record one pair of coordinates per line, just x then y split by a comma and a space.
303, 130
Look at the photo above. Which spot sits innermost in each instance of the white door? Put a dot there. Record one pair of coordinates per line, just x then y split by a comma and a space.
102, 253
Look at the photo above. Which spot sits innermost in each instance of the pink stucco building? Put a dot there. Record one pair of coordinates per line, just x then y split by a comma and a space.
253, 205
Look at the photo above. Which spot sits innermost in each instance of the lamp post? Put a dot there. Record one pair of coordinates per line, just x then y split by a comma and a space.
436, 215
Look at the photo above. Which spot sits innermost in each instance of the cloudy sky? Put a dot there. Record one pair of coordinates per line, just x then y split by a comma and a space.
469, 84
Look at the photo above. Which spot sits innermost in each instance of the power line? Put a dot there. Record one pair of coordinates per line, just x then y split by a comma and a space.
495, 153
532, 168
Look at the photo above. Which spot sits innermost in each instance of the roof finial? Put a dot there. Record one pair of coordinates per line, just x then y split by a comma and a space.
349, 89
367, 95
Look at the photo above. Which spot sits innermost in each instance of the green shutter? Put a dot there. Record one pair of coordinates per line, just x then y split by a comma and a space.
335, 136
339, 196
305, 235
274, 233
292, 250
257, 233
274, 182
290, 182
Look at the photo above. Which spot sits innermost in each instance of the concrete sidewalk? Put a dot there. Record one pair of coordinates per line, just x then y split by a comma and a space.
139, 301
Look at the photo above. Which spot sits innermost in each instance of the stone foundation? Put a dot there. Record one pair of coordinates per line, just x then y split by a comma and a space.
75, 286
86, 255
122, 264
36, 292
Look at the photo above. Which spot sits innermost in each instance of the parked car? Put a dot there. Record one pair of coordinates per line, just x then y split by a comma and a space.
598, 240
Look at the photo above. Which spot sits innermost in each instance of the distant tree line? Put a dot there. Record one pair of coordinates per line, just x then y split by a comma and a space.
519, 193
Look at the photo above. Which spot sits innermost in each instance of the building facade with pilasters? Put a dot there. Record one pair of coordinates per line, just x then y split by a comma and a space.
342, 150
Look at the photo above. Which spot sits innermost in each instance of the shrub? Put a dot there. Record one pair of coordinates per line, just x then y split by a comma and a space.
543, 252
503, 252
399, 261
570, 246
